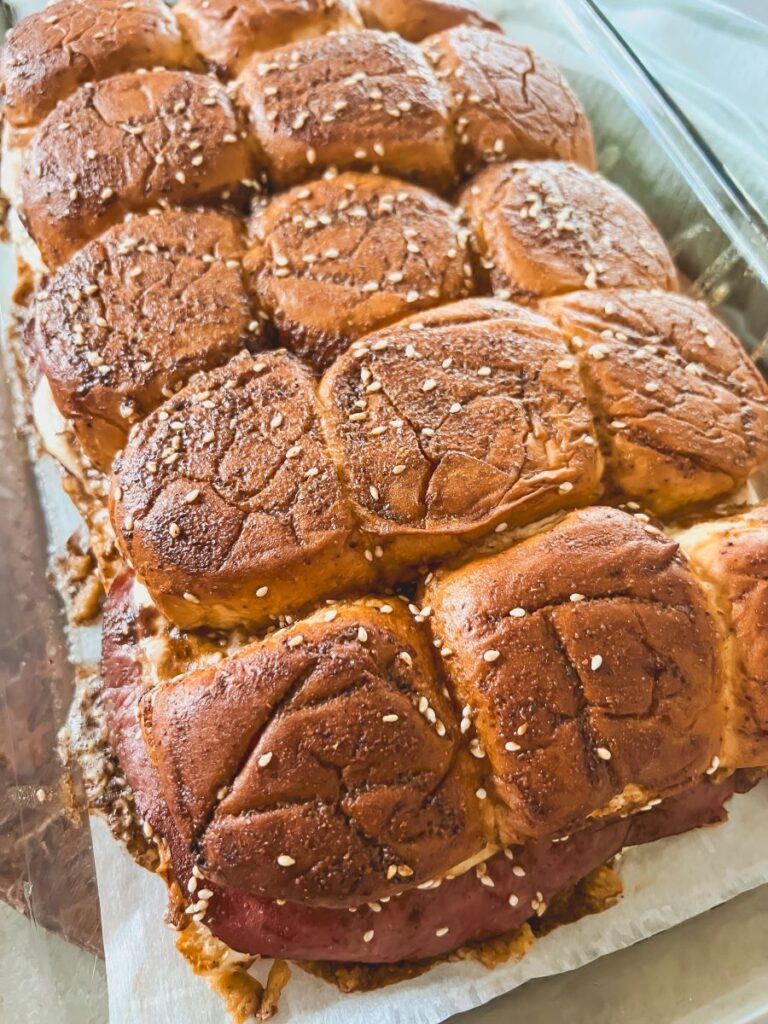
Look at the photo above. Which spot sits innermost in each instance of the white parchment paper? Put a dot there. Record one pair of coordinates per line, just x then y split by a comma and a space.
664, 883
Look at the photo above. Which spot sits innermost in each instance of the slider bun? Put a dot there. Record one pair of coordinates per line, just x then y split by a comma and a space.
361, 101
454, 421
335, 259
417, 19
546, 227
49, 54
132, 315
732, 556
507, 102
226, 502
346, 794
682, 409
227, 33
95, 157
609, 697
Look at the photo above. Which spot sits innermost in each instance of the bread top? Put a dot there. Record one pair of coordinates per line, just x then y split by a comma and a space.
349, 101
682, 408
130, 317
547, 227
50, 53
320, 764
506, 101
587, 661
417, 19
335, 259
227, 490
460, 418
226, 34
732, 556
124, 145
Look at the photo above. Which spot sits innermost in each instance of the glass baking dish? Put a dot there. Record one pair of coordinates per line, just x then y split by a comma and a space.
46, 864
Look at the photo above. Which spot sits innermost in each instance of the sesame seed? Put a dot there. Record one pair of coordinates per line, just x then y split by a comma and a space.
603, 753
596, 662
265, 759
518, 871
484, 371
285, 861
517, 613
296, 641
429, 384
374, 492
190, 597
513, 900
362, 634
481, 794
368, 937
262, 591
501, 528
175, 530
205, 894
389, 718
397, 470
566, 487
575, 598
490, 656
440, 932
714, 765
330, 615
512, 747
191, 496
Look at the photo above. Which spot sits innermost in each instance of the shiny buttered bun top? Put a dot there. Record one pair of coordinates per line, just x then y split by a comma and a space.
349, 101
131, 316
586, 661
545, 227
682, 410
332, 260
321, 764
123, 145
456, 422
417, 19
507, 101
226, 34
52, 52
731, 555
226, 501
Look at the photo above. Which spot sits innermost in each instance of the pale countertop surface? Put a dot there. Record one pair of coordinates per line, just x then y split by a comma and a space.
710, 970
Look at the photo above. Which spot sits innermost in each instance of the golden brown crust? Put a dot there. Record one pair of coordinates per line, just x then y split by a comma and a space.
126, 144
545, 227
302, 768
361, 101
507, 102
227, 504
682, 410
49, 54
227, 33
731, 555
455, 421
132, 315
335, 259
588, 661
417, 19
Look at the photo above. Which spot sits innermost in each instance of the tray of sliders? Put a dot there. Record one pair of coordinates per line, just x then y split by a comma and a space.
424, 568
